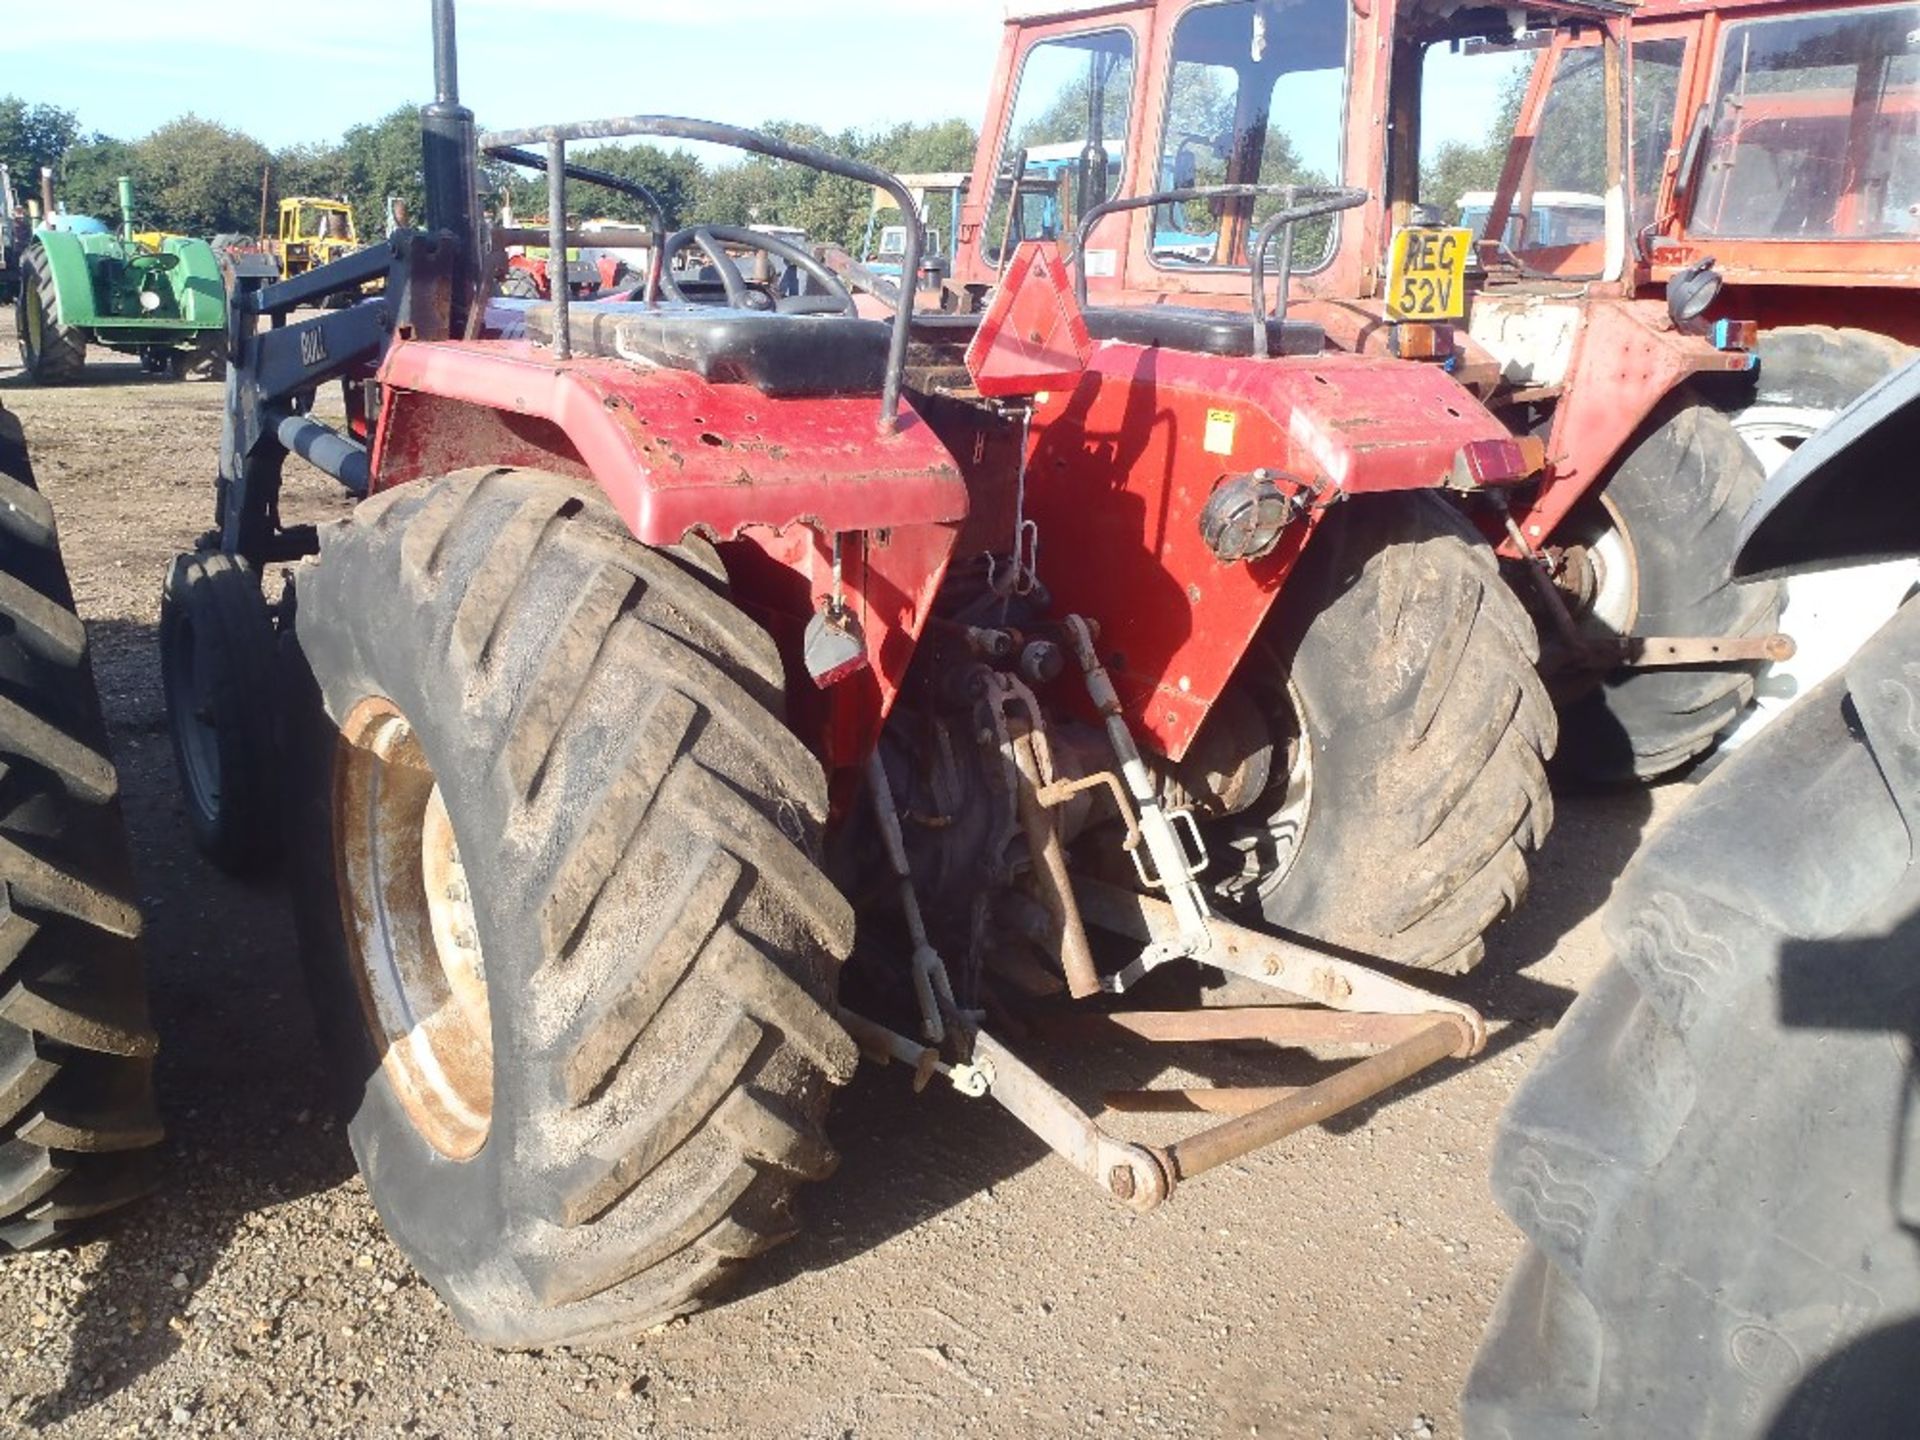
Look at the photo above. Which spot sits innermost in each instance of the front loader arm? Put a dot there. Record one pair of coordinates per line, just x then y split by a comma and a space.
273, 375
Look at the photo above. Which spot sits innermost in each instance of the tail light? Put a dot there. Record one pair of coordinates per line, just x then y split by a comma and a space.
1497, 462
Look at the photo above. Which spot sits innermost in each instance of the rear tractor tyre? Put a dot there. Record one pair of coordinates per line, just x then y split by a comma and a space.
52, 353
1401, 674
560, 905
1713, 1162
217, 669
1655, 546
77, 1118
1807, 375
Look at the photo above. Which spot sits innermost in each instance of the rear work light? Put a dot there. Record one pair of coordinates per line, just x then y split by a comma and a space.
1497, 462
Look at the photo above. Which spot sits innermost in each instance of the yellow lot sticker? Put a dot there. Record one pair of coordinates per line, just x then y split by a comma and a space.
1218, 439
1427, 273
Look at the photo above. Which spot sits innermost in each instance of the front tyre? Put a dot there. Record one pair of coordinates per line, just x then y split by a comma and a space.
216, 669
1652, 554
1399, 677
560, 905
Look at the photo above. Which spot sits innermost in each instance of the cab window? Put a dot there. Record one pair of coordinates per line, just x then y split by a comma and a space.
1813, 131
1071, 108
1256, 95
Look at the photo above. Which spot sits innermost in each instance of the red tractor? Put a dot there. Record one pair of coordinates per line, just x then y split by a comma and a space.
1778, 140
705, 694
1621, 540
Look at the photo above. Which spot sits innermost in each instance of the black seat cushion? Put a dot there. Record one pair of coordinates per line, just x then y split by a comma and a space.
776, 354
1205, 332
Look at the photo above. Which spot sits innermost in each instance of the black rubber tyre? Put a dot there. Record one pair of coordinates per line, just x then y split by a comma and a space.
1807, 375
1714, 1163
217, 668
637, 831
77, 1119
1677, 497
204, 362
52, 353
1427, 730
519, 284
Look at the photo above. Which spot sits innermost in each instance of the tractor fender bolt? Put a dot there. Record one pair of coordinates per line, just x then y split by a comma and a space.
1120, 1181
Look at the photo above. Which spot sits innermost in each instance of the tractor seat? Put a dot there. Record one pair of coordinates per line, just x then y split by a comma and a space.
788, 355
1204, 332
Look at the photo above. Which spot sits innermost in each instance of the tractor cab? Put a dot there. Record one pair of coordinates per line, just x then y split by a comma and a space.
314, 230
1782, 140
1256, 105
306, 218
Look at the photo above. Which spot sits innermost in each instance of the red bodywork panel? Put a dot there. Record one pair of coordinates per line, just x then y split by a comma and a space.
675, 453
1122, 464
772, 479
1629, 353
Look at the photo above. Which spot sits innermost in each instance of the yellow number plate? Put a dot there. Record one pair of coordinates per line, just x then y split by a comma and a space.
1427, 274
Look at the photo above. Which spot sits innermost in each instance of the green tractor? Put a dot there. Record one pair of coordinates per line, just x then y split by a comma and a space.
81, 284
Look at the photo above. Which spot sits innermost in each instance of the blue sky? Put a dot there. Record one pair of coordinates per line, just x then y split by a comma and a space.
303, 72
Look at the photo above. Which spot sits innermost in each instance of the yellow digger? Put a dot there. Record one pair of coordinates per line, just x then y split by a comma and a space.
314, 230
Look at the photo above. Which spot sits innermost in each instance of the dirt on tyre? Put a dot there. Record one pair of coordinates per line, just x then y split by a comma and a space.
77, 1117
51, 352
560, 905
1652, 554
1714, 1162
217, 647
1399, 677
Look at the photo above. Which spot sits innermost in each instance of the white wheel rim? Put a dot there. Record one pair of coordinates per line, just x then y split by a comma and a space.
1773, 432
1268, 854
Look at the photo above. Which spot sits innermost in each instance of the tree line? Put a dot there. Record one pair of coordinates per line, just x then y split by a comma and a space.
203, 178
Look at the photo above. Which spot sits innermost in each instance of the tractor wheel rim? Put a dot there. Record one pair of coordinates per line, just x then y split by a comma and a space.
1773, 432
36, 319
412, 937
193, 720
1598, 533
1268, 853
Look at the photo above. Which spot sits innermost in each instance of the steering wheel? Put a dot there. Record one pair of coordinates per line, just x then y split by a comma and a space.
713, 241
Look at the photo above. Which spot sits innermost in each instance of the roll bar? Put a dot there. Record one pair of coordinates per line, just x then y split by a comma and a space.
1303, 202
556, 138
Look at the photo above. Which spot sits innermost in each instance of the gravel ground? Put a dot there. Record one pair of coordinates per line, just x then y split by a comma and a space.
952, 1278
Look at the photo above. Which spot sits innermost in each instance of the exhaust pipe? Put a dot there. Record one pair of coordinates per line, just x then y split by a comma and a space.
448, 164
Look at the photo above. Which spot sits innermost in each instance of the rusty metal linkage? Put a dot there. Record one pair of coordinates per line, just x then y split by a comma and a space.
1359, 1081
1646, 652
1287, 965
1339, 1002
1637, 652
1209, 1100
1274, 1024
1050, 870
